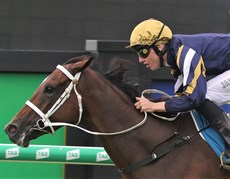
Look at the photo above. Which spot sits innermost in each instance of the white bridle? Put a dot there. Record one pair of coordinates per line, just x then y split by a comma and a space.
45, 122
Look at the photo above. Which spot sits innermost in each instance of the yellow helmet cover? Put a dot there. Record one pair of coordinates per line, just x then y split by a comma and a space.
148, 32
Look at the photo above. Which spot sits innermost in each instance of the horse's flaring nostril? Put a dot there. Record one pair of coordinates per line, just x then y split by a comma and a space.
11, 129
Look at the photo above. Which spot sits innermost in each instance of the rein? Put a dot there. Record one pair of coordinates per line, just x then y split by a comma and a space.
148, 91
44, 122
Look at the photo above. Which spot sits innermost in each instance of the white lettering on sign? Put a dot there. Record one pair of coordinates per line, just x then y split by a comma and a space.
73, 154
43, 153
11, 153
102, 156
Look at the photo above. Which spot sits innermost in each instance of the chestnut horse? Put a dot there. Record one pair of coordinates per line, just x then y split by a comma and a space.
141, 146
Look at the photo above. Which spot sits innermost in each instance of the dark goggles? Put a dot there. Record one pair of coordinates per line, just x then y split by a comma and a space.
142, 51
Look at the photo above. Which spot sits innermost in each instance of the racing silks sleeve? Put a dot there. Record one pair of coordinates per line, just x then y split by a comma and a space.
191, 82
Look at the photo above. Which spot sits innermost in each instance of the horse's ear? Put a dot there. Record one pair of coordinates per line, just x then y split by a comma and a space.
78, 59
86, 63
81, 64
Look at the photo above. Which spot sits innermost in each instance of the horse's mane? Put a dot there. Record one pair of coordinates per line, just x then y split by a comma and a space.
119, 78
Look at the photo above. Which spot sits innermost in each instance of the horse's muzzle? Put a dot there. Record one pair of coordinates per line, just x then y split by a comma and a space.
11, 130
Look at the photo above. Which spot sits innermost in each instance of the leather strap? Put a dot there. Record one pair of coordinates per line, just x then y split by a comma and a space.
158, 154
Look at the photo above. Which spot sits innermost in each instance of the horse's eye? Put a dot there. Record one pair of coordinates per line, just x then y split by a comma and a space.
49, 89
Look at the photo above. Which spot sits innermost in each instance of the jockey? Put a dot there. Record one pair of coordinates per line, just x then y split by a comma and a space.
191, 58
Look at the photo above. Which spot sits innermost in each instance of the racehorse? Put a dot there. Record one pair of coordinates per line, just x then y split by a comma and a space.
141, 146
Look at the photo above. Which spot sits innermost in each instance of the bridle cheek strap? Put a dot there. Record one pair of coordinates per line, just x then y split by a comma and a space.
43, 122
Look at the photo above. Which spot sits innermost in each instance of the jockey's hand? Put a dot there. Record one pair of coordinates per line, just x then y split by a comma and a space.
144, 105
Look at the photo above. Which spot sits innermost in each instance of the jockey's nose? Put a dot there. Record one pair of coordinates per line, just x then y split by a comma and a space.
141, 60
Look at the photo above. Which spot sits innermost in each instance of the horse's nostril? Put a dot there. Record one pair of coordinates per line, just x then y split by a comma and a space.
11, 129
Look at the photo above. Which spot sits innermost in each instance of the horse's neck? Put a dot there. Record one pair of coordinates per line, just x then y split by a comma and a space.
109, 110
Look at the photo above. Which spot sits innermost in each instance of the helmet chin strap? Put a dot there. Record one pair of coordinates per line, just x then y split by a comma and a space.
161, 60
160, 53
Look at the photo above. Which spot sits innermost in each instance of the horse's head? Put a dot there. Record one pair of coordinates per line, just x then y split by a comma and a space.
47, 103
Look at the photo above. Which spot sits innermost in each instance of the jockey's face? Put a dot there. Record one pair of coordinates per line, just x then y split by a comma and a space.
151, 59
